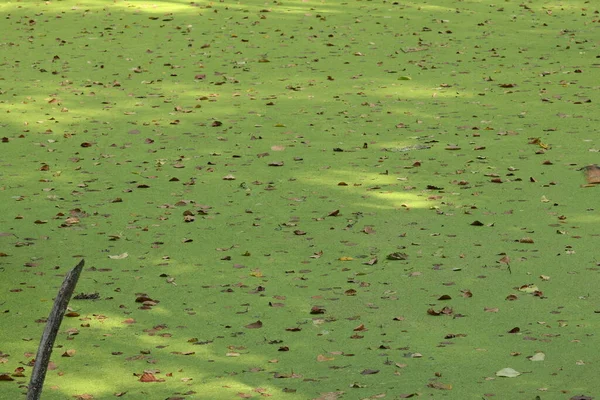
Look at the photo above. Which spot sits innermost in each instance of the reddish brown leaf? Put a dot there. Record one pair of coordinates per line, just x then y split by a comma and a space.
6, 377
72, 314
148, 377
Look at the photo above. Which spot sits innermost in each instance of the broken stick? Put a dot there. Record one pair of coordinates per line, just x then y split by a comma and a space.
52, 325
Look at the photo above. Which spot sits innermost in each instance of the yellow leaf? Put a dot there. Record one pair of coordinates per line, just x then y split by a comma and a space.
346, 258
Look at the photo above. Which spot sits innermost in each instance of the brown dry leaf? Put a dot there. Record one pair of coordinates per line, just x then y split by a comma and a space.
504, 260
85, 396
444, 310
69, 353
143, 298
255, 325
317, 310
491, 309
148, 377
360, 328
278, 148
228, 177
368, 230
6, 377
372, 261
72, 314
592, 174
330, 396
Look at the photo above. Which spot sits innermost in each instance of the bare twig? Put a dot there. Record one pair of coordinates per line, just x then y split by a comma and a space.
52, 325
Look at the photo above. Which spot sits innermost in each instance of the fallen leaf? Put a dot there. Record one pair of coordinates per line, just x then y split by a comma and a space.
369, 371
508, 373
148, 377
322, 358
254, 325
6, 377
372, 261
119, 256
368, 230
317, 310
397, 256
439, 386
539, 356
69, 353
